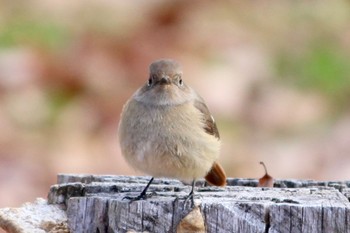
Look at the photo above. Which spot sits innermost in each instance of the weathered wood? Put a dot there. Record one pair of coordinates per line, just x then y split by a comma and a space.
96, 204
38, 217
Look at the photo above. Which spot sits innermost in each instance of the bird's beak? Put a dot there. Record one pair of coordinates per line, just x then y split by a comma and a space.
165, 80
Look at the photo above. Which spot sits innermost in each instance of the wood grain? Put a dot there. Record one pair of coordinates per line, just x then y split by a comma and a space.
88, 203
96, 204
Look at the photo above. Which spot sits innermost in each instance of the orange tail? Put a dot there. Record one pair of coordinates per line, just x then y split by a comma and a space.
216, 175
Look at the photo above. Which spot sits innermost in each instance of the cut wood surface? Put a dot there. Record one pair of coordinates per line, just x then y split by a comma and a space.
36, 217
97, 204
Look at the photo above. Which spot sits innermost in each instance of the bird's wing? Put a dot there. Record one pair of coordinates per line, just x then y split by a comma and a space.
216, 175
210, 125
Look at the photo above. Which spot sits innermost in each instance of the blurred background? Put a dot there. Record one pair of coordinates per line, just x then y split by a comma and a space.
275, 74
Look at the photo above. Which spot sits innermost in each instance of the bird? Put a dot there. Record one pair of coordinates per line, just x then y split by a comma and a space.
167, 130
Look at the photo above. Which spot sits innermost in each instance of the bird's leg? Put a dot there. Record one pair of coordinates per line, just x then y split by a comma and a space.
142, 194
192, 190
191, 194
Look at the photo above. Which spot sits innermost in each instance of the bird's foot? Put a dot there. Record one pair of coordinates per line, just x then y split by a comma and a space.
190, 197
142, 196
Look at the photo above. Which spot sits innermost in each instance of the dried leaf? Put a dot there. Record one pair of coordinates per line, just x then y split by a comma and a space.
266, 180
192, 222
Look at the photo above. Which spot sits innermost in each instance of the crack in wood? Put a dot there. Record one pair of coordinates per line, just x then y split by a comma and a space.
267, 220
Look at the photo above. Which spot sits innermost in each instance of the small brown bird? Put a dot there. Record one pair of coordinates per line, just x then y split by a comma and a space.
166, 130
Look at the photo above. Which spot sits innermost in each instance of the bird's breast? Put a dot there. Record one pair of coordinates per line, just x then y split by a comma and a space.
167, 140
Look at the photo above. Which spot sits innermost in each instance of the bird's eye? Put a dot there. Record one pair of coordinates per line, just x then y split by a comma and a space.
150, 82
179, 79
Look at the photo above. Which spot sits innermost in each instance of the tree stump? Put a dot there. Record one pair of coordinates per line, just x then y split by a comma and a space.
97, 204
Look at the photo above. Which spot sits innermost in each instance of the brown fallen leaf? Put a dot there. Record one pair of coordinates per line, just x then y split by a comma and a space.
266, 180
192, 222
